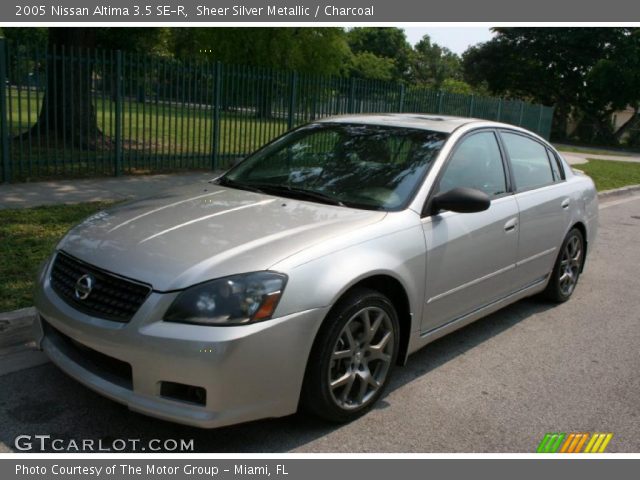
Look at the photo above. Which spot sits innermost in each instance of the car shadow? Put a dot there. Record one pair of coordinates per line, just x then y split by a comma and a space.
43, 400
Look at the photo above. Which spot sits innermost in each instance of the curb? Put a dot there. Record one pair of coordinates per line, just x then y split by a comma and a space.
616, 192
15, 326
18, 350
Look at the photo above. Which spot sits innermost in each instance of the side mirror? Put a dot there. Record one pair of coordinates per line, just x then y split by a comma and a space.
461, 200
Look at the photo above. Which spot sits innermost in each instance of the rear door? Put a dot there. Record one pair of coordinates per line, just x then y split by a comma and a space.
544, 204
470, 256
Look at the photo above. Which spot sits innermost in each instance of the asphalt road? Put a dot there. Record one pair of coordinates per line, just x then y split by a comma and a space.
497, 385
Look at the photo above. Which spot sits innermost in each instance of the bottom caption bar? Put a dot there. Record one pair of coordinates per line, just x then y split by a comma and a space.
313, 468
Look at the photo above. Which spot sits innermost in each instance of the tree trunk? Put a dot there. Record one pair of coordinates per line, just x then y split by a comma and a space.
68, 113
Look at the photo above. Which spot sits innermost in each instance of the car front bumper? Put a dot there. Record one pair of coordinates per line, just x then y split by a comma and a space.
248, 372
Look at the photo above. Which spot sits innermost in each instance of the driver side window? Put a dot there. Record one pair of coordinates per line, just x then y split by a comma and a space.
476, 163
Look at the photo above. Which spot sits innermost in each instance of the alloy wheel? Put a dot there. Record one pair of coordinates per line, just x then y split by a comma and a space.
570, 265
361, 358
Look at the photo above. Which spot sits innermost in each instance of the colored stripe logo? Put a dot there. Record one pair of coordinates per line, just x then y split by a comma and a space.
574, 442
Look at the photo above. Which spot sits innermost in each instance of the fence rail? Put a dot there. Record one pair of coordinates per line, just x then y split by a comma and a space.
75, 112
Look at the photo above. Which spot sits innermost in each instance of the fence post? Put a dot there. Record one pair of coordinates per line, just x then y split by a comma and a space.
540, 110
401, 99
215, 127
499, 109
440, 100
4, 120
471, 99
118, 132
293, 83
352, 94
521, 113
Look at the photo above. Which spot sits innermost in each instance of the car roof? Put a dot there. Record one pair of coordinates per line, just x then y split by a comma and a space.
424, 121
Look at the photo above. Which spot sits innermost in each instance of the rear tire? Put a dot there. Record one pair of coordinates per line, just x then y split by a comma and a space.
353, 357
566, 270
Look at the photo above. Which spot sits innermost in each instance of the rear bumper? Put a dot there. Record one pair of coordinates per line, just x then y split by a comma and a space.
248, 372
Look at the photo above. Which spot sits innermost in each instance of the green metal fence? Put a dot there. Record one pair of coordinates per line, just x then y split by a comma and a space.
75, 112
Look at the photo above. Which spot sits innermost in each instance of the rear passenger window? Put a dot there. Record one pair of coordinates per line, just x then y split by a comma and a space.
529, 161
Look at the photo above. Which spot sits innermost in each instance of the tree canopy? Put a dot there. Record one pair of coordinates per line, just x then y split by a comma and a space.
363, 52
587, 73
308, 50
385, 43
432, 65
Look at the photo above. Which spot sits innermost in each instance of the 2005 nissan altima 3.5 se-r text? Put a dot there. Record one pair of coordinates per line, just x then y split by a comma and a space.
306, 273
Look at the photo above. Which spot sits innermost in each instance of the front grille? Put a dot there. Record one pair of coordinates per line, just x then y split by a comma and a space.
112, 297
106, 367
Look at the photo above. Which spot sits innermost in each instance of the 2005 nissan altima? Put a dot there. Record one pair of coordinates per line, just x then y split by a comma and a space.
303, 275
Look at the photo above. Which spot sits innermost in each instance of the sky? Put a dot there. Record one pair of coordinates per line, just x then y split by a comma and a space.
456, 39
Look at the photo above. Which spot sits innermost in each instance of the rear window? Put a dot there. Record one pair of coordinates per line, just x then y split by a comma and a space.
558, 173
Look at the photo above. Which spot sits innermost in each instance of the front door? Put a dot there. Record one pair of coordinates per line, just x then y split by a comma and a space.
471, 256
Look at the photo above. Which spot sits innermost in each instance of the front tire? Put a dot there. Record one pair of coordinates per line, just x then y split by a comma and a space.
566, 270
352, 358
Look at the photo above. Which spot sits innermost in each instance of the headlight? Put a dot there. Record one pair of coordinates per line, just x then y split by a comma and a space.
234, 300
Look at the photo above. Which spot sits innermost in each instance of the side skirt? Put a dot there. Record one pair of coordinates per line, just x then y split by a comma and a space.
419, 341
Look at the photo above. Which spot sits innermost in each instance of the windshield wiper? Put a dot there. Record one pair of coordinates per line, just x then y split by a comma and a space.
284, 190
299, 193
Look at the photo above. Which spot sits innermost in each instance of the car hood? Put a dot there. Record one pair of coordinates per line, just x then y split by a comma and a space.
197, 233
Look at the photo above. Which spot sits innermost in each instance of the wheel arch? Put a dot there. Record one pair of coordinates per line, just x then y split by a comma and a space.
581, 227
396, 293
389, 286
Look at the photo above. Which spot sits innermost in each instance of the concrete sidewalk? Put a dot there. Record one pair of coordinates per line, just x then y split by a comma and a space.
25, 195
577, 158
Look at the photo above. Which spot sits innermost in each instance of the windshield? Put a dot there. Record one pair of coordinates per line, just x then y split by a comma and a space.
361, 166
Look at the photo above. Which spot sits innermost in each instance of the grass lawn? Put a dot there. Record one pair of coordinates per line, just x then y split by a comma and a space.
155, 137
27, 237
608, 174
163, 127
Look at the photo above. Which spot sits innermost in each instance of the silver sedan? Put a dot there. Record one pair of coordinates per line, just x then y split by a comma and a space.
306, 273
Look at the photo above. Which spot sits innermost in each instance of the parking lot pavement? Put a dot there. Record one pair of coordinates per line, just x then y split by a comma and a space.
497, 385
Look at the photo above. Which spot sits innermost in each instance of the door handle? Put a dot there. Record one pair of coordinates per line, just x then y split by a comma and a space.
511, 225
565, 203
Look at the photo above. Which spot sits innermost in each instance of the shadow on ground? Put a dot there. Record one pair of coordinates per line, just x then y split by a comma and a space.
43, 400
